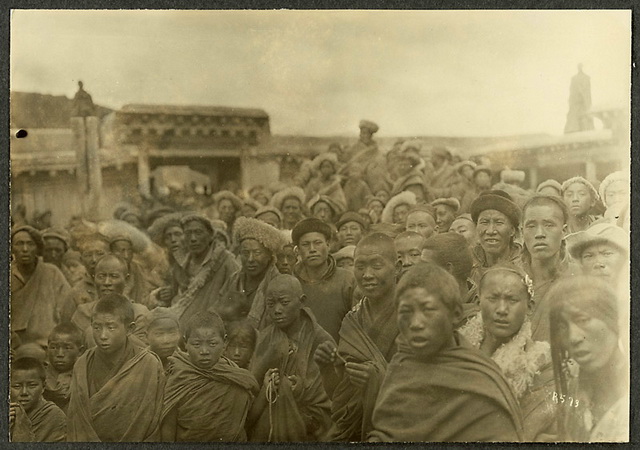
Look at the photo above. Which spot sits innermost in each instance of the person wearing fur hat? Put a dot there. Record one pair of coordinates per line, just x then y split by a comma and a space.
446, 210
444, 174
397, 208
39, 291
366, 155
270, 215
497, 219
290, 201
421, 219
329, 289
56, 243
260, 194
350, 228
375, 206
326, 181
502, 331
410, 176
580, 196
198, 279
243, 294
615, 194
228, 206
325, 208
249, 207
549, 187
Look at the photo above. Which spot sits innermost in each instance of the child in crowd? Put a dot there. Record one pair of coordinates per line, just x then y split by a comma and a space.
242, 342
163, 333
31, 417
580, 196
66, 344
207, 396
117, 386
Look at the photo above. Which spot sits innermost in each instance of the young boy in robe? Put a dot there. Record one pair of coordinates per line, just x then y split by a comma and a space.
31, 417
438, 388
300, 409
242, 342
66, 344
207, 396
117, 386
163, 333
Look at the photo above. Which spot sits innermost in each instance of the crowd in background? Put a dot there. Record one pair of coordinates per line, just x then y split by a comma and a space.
399, 295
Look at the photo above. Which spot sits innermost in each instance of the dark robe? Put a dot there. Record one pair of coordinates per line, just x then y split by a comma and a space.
45, 423
56, 387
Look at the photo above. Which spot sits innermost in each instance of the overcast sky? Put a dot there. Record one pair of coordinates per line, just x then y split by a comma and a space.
460, 73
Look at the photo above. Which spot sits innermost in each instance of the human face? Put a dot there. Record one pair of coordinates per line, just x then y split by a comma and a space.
109, 332
173, 238
482, 180
62, 352
291, 210
578, 199
53, 251
409, 250
543, 230
345, 263
326, 169
91, 252
444, 217
349, 233
110, 276
240, 350
400, 214
404, 165
603, 260
286, 260
617, 195
255, 257
123, 249
323, 212
421, 222
314, 249
283, 306
494, 231
375, 272
466, 228
24, 248
163, 337
425, 323
376, 207
26, 388
74, 271
270, 218
197, 237
205, 346
226, 210
382, 195
590, 342
503, 304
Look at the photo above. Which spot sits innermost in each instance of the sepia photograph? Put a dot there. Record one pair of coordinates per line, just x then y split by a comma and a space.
319, 226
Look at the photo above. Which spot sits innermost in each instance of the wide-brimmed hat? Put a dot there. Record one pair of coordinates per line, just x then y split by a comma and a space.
599, 233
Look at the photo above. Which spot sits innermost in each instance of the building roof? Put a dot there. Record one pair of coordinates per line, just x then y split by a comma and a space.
190, 110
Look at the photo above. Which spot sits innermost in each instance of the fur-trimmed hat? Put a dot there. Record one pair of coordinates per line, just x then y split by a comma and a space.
336, 207
292, 191
35, 235
351, 216
451, 202
583, 181
599, 233
57, 233
620, 175
249, 228
482, 168
327, 156
373, 198
465, 163
254, 204
268, 209
310, 225
160, 225
424, 207
498, 200
369, 125
550, 183
403, 198
228, 195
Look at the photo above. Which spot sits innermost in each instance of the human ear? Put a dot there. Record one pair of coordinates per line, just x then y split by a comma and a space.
130, 327
457, 313
303, 299
449, 267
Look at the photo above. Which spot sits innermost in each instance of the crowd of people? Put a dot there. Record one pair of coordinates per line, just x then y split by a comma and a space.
400, 295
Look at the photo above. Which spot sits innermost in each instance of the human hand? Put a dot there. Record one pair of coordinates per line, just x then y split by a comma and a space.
325, 353
13, 411
358, 373
165, 294
272, 374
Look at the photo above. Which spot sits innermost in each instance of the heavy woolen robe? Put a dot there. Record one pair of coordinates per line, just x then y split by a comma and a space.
127, 401
45, 423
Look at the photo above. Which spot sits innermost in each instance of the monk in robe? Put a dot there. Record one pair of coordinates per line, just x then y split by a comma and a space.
110, 275
438, 388
163, 333
31, 417
293, 405
207, 396
367, 340
39, 291
138, 286
117, 386
66, 344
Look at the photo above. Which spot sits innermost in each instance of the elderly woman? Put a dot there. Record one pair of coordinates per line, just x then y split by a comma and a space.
590, 368
502, 331
615, 194
580, 196
497, 218
397, 208
243, 294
